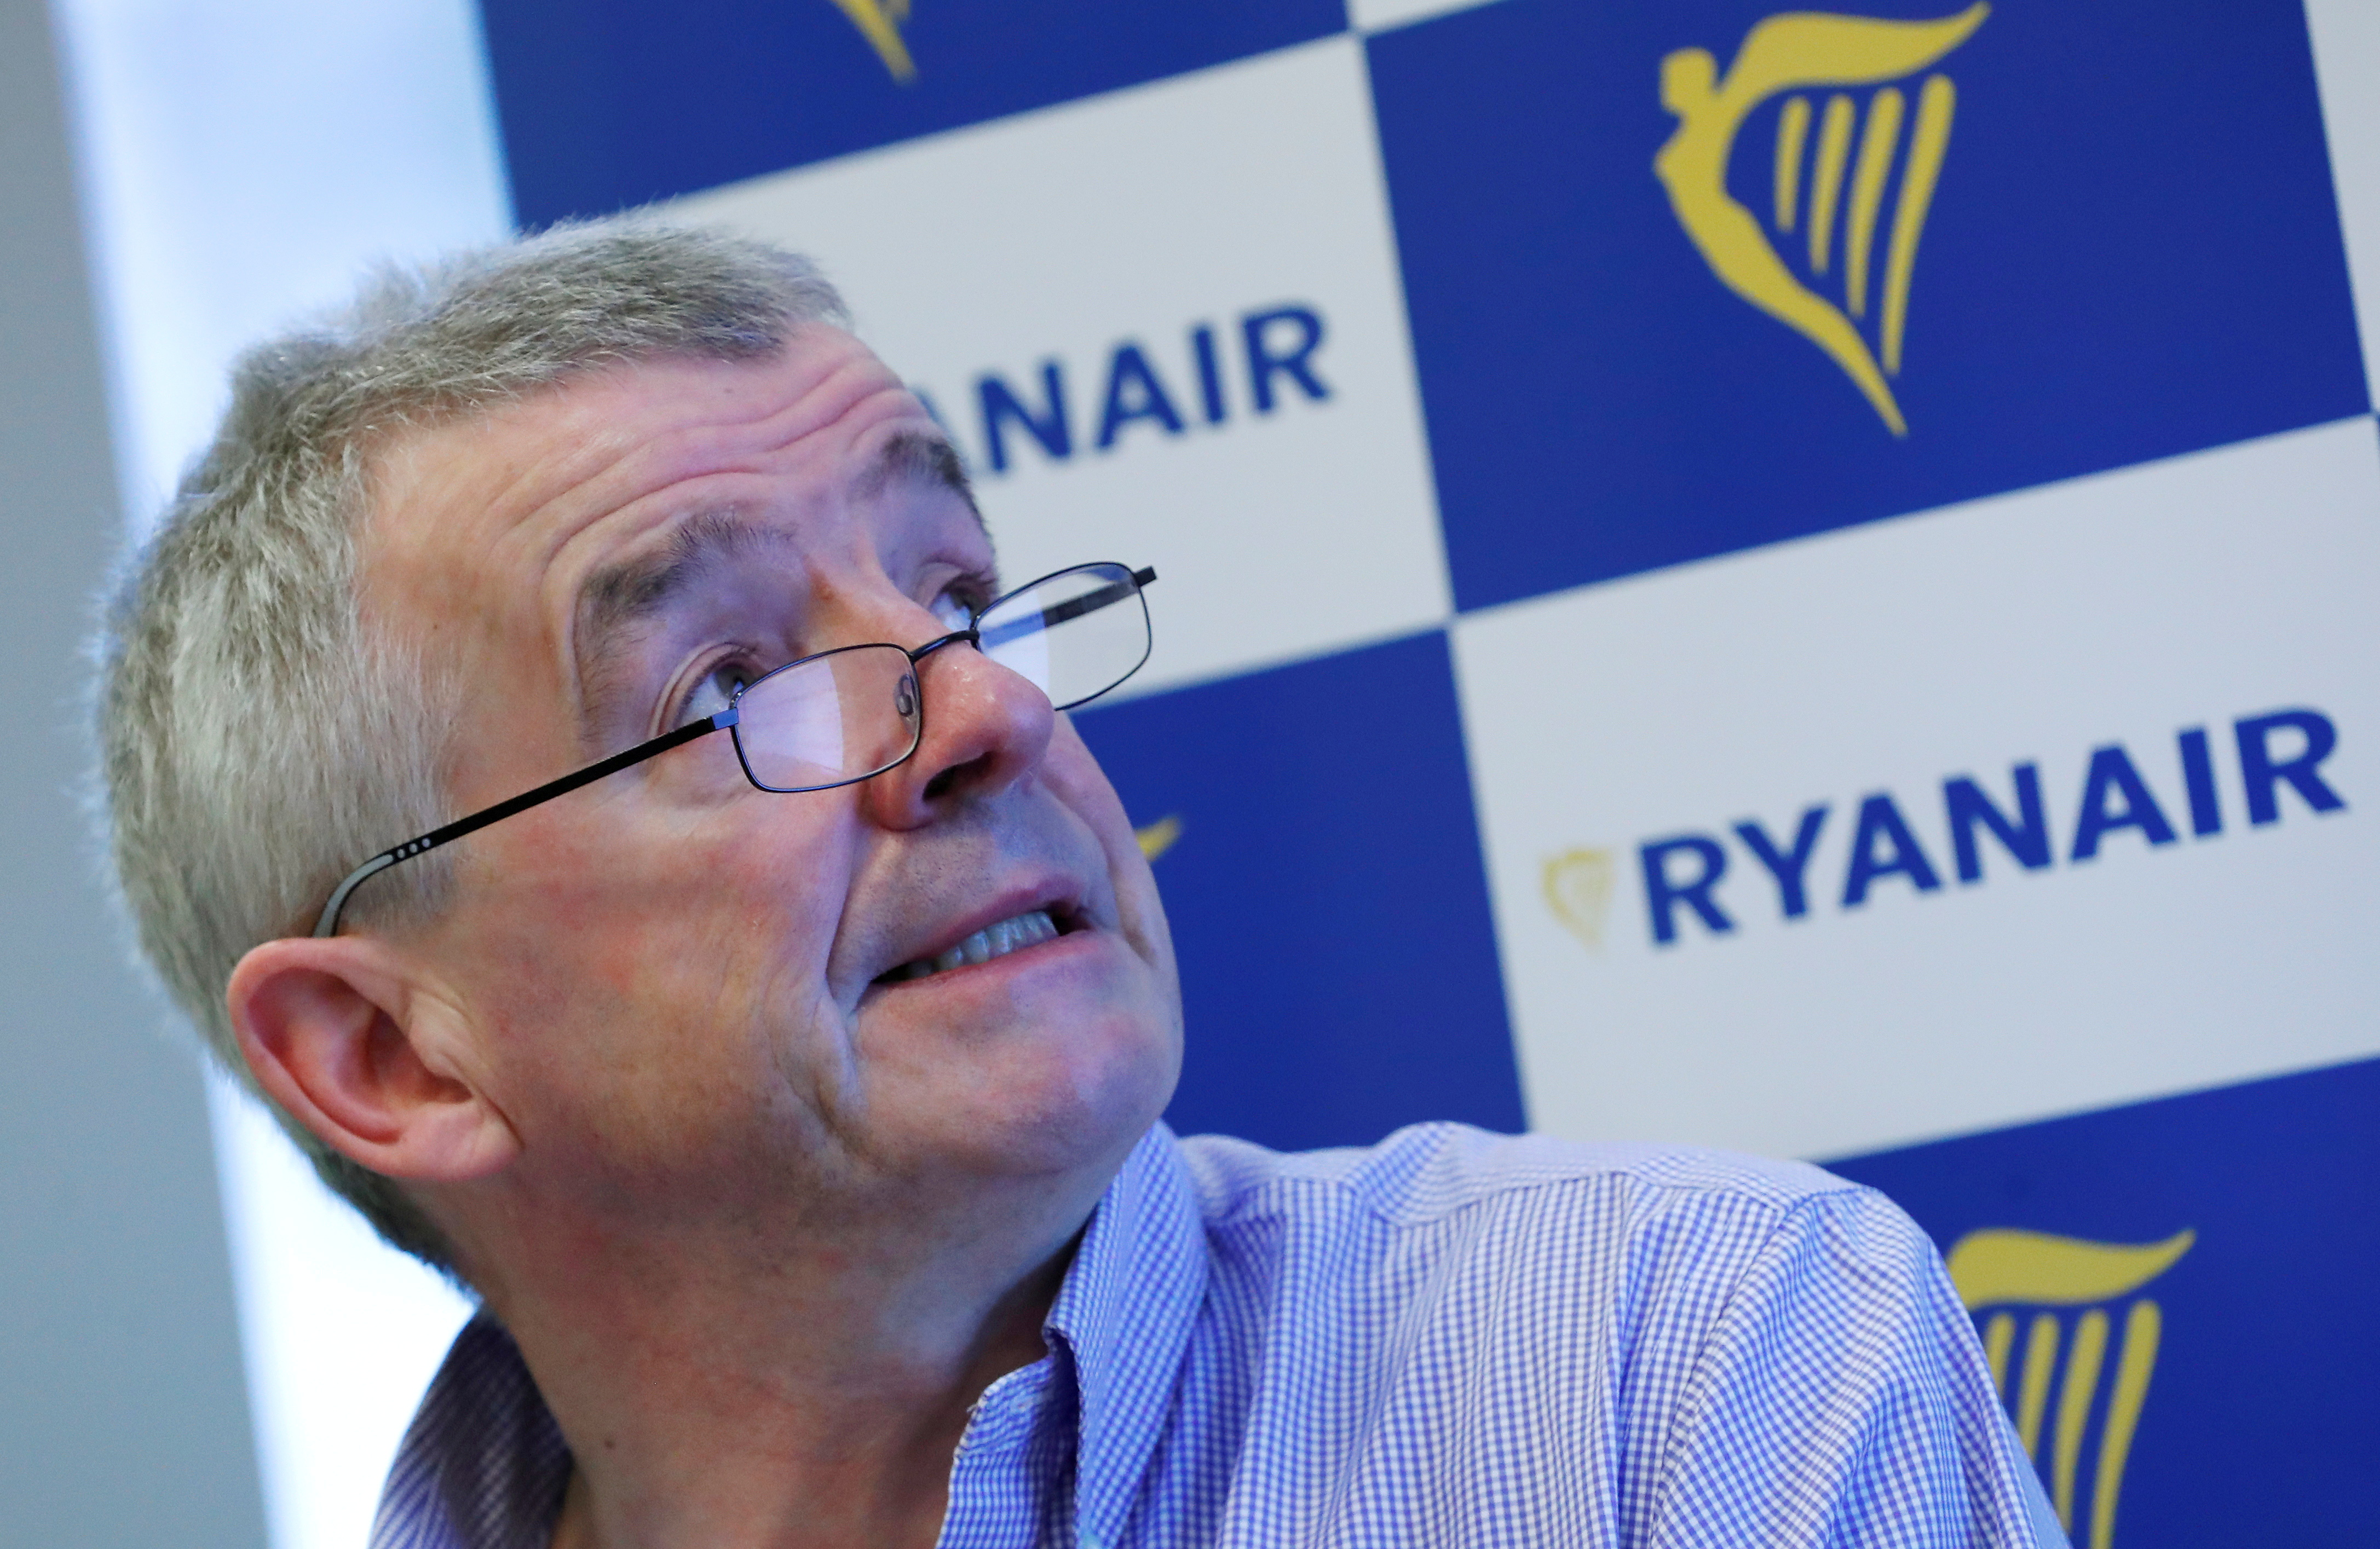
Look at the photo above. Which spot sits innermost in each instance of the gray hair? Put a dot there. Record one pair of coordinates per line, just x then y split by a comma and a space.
258, 738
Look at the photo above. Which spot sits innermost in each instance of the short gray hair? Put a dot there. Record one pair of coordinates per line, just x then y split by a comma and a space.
258, 739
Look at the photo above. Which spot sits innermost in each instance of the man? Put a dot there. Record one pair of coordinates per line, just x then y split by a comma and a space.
770, 1020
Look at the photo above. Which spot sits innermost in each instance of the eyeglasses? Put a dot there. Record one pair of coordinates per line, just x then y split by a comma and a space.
846, 715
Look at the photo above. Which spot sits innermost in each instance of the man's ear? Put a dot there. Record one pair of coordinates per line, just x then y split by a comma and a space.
342, 1034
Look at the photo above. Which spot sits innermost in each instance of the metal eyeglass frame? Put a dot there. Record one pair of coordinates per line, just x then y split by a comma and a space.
327, 923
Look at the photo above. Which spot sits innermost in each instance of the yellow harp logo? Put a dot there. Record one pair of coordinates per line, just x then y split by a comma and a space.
879, 22
1998, 1268
1578, 890
1797, 53
1159, 837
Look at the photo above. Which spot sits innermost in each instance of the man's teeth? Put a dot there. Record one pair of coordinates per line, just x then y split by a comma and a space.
1027, 929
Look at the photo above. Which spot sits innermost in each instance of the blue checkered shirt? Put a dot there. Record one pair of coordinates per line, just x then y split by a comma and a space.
1453, 1337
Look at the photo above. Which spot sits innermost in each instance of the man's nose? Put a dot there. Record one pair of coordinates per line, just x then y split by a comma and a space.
986, 728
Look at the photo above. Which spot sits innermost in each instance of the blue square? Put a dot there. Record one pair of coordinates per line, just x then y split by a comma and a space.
2120, 239
1329, 905
613, 103
2255, 1424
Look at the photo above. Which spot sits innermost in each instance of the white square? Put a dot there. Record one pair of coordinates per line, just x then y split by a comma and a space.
1379, 16
1066, 235
2037, 627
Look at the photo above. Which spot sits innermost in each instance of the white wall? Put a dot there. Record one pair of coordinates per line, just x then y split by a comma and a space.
244, 159
123, 1418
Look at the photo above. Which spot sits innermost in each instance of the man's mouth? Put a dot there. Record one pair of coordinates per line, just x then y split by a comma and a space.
998, 940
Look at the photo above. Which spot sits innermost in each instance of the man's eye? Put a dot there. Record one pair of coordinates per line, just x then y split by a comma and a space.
953, 610
715, 692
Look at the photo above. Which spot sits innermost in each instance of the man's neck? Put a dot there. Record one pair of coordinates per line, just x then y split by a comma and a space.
808, 1390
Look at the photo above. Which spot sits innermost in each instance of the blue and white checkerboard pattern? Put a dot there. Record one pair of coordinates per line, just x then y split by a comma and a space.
1796, 586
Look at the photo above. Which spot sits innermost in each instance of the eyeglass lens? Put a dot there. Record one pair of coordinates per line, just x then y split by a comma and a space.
835, 717
1074, 636
854, 712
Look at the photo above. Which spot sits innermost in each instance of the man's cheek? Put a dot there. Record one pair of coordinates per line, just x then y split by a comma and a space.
776, 902
1078, 781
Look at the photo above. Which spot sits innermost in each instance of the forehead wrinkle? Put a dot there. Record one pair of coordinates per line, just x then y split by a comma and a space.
626, 594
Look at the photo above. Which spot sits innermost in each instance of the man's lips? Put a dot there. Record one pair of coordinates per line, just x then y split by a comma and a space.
995, 940
978, 939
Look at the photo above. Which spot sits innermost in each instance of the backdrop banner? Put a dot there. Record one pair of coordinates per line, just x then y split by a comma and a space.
1782, 579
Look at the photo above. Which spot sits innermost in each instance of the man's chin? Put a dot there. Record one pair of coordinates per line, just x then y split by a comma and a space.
1020, 1100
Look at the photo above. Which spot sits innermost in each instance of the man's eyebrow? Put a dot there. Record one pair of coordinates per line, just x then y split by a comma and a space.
619, 597
915, 457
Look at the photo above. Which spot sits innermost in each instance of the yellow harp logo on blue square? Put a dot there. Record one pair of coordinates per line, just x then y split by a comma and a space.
879, 22
1798, 53
1999, 1268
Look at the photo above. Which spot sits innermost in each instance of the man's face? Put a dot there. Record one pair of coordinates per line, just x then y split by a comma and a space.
676, 984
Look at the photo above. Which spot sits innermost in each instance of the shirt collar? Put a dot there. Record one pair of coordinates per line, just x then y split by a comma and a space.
484, 1465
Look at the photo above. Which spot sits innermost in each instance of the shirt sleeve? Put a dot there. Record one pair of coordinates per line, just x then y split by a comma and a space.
1841, 1399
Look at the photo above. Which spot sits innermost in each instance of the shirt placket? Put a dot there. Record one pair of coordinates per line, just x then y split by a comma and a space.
1004, 1469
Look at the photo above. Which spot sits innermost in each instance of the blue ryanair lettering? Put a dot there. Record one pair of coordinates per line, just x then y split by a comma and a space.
1001, 405
1787, 867
1210, 373
1880, 820
2198, 778
1281, 347
2277, 750
2263, 776
1135, 392
1263, 363
2026, 840
2112, 774
1664, 893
